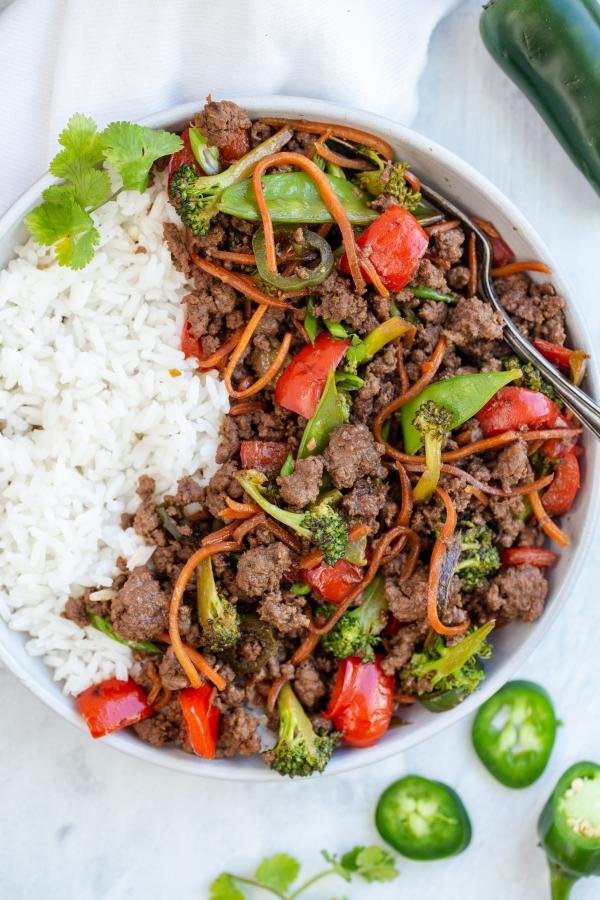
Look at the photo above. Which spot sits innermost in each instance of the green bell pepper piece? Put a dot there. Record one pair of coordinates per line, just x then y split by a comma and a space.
514, 732
423, 819
293, 197
316, 274
463, 395
569, 828
332, 411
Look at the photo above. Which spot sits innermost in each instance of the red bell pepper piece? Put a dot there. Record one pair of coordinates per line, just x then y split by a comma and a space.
201, 719
513, 407
555, 353
300, 385
263, 454
112, 705
528, 556
333, 583
183, 157
238, 146
502, 254
362, 701
559, 497
190, 345
554, 448
394, 243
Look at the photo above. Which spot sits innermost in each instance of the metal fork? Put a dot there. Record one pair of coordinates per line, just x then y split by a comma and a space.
586, 409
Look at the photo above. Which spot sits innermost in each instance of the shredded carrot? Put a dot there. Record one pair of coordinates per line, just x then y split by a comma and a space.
358, 531
477, 493
329, 197
166, 698
429, 368
249, 525
402, 374
545, 522
338, 159
527, 265
346, 132
435, 567
305, 649
216, 537
438, 261
271, 372
441, 227
413, 554
239, 409
275, 690
181, 651
234, 515
210, 362
236, 506
372, 272
283, 534
232, 256
156, 684
413, 181
507, 437
472, 283
241, 283
378, 553
456, 472
406, 504
486, 227
313, 559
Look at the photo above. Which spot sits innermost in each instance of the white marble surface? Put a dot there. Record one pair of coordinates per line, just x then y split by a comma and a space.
80, 822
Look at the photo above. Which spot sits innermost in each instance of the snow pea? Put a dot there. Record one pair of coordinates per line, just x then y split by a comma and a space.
293, 197
331, 411
423, 819
463, 395
569, 828
513, 733
316, 275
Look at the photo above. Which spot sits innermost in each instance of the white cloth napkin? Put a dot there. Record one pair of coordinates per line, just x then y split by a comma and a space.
124, 59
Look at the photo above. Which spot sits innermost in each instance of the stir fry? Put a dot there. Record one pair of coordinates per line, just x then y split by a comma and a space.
388, 472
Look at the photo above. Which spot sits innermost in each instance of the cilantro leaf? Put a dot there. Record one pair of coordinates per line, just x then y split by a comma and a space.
132, 149
371, 863
278, 871
88, 187
224, 888
69, 227
81, 141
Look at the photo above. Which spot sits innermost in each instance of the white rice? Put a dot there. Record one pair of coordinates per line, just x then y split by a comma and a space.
88, 405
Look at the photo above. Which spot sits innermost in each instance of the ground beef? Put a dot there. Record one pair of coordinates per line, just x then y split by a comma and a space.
238, 734
507, 515
338, 301
139, 611
284, 611
407, 600
76, 610
448, 245
536, 309
365, 501
429, 275
223, 484
379, 388
303, 485
175, 239
171, 674
189, 491
229, 442
260, 569
164, 727
517, 592
351, 454
210, 301
308, 684
221, 121
512, 465
458, 277
471, 325
402, 646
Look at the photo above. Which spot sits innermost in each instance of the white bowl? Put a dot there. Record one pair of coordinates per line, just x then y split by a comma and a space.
463, 184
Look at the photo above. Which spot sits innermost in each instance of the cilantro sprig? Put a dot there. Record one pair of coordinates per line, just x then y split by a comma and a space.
64, 220
277, 874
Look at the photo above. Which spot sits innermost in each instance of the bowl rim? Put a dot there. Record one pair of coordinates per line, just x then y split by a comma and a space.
231, 770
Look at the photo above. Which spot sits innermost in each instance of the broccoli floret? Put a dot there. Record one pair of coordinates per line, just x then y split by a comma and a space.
531, 378
440, 668
321, 524
218, 616
358, 631
388, 178
197, 197
433, 421
299, 749
479, 557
